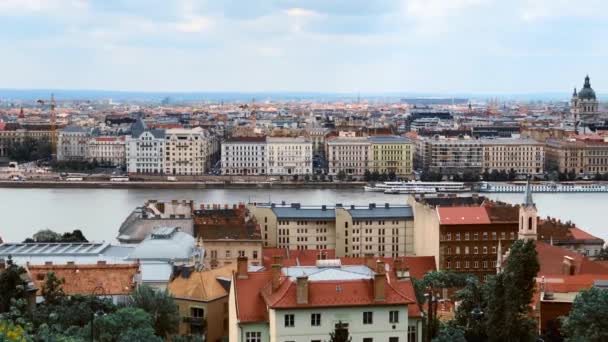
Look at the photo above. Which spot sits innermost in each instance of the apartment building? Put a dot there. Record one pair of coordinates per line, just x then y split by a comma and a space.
73, 143
186, 151
9, 137
244, 156
107, 150
525, 156
391, 154
385, 230
449, 156
306, 302
350, 155
584, 155
382, 154
145, 152
288, 156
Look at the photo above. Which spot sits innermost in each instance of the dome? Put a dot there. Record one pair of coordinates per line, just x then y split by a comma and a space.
587, 93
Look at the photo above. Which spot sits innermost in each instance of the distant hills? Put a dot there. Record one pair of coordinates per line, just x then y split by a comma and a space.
180, 97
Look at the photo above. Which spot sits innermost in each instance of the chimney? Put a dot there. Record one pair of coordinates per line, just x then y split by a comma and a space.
2, 265
380, 266
568, 267
302, 290
397, 266
276, 276
101, 262
241, 268
379, 284
369, 261
277, 259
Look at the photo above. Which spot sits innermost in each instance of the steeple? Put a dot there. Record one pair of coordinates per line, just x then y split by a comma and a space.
587, 83
574, 93
499, 257
529, 202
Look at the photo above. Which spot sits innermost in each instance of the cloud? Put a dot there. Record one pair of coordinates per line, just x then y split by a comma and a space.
12, 7
195, 24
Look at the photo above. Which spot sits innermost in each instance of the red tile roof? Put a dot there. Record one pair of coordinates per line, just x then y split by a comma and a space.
250, 305
580, 234
551, 260
573, 283
463, 215
114, 279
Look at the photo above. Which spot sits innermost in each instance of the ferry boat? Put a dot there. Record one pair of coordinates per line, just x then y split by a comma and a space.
416, 187
542, 187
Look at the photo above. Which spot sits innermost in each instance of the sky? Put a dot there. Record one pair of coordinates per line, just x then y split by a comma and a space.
440, 46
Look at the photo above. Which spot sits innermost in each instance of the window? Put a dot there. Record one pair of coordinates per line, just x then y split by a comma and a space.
196, 320
241, 253
485, 250
449, 236
393, 339
289, 321
467, 236
411, 333
253, 336
368, 339
457, 236
476, 250
393, 316
466, 249
228, 254
255, 254
476, 236
213, 254
315, 319
476, 264
368, 317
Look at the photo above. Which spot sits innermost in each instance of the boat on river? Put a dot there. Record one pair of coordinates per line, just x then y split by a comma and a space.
541, 187
416, 187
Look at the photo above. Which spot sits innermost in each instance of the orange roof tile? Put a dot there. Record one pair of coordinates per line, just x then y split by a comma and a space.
463, 215
201, 285
580, 234
114, 279
551, 260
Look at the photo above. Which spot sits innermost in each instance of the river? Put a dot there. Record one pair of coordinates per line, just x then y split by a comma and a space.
99, 212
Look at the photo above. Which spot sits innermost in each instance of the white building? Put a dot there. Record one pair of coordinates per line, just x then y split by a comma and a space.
288, 156
348, 154
110, 150
244, 156
306, 303
186, 151
145, 150
72, 143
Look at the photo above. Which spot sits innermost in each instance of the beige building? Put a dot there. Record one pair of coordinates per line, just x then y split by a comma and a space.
450, 156
288, 156
386, 230
73, 143
223, 245
107, 150
186, 151
525, 156
244, 156
202, 299
348, 154
584, 156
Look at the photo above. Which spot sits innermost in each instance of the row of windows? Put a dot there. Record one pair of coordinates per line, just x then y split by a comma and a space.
315, 318
467, 264
484, 235
228, 254
466, 250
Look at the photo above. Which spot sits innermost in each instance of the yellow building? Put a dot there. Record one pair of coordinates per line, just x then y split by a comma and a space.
202, 298
391, 154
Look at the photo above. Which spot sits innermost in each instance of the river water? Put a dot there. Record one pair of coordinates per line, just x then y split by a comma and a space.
99, 212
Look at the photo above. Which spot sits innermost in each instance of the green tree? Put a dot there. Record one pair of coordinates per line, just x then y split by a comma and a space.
12, 285
449, 333
392, 175
470, 310
125, 325
588, 318
52, 290
340, 333
603, 254
512, 174
29, 149
367, 176
341, 176
375, 175
47, 235
161, 307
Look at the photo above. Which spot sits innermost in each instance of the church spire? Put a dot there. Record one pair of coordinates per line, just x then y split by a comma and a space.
587, 83
574, 93
529, 202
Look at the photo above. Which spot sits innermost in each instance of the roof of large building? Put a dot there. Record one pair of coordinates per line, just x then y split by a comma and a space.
201, 285
165, 243
463, 215
384, 212
389, 139
304, 213
587, 93
101, 278
551, 260
228, 232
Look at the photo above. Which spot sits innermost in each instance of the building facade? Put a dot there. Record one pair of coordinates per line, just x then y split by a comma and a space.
244, 156
385, 230
449, 156
288, 156
350, 155
145, 152
186, 151
10, 137
107, 150
525, 156
391, 154
73, 143
581, 155
584, 104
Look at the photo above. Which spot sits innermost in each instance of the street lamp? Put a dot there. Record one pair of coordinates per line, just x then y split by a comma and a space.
98, 290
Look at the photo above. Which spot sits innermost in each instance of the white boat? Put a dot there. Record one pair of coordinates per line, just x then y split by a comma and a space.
417, 187
542, 187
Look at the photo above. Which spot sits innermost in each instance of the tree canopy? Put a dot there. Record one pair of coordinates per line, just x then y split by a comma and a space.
588, 318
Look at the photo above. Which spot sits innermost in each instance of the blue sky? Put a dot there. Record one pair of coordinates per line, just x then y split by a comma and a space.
444, 46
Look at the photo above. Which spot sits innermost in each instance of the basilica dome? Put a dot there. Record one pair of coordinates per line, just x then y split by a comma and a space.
587, 93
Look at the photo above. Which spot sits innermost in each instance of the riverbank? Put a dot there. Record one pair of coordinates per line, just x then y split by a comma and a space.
56, 184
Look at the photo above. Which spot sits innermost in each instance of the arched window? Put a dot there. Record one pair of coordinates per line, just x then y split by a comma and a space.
530, 223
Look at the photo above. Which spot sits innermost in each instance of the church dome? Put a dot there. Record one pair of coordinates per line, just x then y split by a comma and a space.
587, 93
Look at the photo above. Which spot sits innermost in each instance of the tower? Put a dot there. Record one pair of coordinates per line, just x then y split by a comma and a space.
584, 104
528, 217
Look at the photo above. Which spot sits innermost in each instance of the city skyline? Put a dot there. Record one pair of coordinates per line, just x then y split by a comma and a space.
459, 46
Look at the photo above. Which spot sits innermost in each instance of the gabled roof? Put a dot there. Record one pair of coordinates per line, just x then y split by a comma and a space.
463, 215
202, 285
551, 259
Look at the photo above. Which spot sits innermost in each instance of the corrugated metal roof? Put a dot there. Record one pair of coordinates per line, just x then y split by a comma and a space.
354, 272
52, 249
304, 213
382, 213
